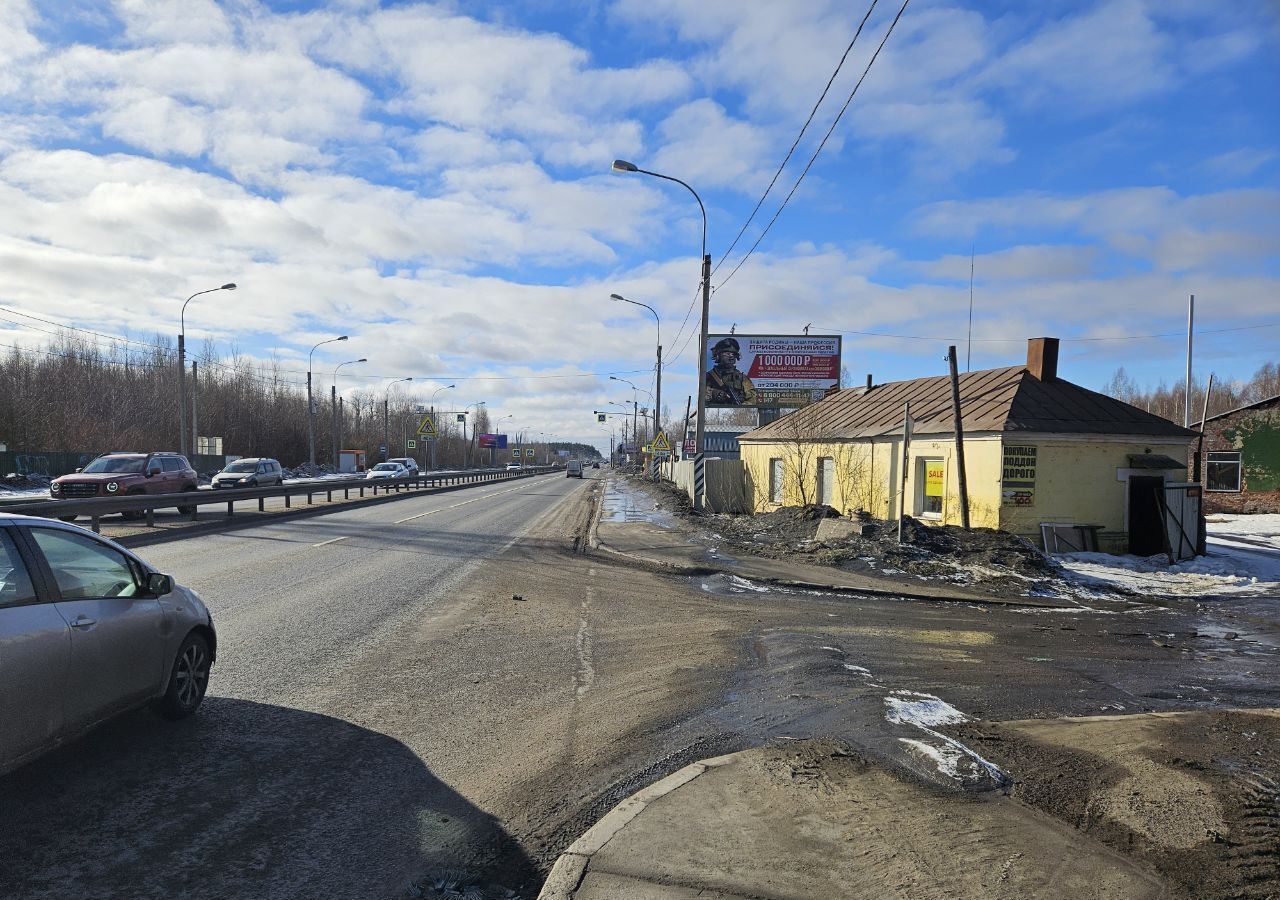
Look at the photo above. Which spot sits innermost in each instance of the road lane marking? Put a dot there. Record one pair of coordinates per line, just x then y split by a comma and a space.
332, 541
586, 674
432, 512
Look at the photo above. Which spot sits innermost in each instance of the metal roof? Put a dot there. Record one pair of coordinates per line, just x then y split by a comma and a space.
1006, 399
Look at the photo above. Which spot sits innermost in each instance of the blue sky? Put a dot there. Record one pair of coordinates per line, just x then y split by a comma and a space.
433, 180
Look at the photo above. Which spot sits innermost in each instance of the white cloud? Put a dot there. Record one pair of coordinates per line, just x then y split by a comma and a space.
174, 21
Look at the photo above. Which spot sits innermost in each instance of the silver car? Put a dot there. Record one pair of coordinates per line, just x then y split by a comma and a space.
87, 631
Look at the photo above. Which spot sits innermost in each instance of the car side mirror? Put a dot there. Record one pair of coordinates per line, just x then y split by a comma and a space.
158, 585
78, 471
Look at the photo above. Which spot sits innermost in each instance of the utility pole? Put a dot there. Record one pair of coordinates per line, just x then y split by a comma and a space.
1186, 394
902, 481
333, 410
195, 405
955, 409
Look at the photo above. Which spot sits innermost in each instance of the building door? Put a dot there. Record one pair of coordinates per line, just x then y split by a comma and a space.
826, 476
1146, 523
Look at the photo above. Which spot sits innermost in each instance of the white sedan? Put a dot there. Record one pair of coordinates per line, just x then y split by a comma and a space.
387, 470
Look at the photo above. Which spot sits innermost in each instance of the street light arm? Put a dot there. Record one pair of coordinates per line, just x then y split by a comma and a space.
687, 188
656, 317
182, 316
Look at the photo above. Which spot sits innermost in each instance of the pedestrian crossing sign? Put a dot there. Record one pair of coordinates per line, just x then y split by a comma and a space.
427, 427
661, 444
411, 444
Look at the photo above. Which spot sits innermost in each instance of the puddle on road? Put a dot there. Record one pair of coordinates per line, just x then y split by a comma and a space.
628, 507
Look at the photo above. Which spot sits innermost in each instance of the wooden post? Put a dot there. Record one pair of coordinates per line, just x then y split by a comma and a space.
955, 409
902, 479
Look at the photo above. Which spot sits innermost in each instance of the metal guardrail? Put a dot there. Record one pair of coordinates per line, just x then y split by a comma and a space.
147, 504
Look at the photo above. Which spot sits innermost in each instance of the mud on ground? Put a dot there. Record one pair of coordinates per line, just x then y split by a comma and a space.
1192, 795
983, 558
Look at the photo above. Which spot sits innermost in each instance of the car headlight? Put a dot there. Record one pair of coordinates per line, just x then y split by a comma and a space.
112, 487
54, 487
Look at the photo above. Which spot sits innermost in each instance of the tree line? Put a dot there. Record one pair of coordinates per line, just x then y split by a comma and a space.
1166, 400
76, 396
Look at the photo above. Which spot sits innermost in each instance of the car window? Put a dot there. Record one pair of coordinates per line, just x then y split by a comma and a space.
15, 581
123, 465
171, 465
84, 567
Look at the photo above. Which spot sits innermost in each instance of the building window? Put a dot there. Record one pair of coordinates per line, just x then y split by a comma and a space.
826, 478
775, 481
931, 480
1222, 471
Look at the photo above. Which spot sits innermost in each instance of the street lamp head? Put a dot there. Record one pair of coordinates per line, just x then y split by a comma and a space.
621, 165
362, 360
343, 338
229, 286
614, 378
451, 386
617, 297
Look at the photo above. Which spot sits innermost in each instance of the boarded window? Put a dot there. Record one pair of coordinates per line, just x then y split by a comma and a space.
1222, 471
826, 475
775, 481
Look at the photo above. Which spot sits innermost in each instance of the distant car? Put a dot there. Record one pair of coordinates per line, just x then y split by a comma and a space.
595, 465
410, 464
90, 631
122, 474
387, 470
251, 471
573, 469
514, 467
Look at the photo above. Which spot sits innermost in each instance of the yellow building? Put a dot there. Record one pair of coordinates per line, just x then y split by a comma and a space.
1037, 449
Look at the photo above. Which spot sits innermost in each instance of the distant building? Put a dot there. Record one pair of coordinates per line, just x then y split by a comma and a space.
1240, 460
1038, 449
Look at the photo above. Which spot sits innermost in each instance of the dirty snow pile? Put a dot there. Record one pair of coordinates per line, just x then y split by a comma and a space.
1243, 558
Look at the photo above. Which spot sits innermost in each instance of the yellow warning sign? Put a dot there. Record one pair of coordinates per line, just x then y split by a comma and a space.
427, 427
661, 444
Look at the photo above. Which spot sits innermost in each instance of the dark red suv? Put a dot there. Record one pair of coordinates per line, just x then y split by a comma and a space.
121, 474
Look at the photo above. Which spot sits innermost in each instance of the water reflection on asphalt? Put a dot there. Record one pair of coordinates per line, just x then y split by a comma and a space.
624, 505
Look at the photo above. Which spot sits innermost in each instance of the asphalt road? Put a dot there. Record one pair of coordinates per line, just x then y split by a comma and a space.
448, 687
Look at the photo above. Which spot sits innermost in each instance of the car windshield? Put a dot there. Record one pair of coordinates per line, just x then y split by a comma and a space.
115, 464
385, 467
242, 467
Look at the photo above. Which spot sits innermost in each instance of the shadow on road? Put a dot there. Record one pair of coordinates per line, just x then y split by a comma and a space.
245, 800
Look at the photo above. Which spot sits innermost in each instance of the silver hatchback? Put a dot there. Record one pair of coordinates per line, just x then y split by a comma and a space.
87, 631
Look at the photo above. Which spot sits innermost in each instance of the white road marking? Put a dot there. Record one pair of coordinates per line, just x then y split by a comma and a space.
432, 512
331, 541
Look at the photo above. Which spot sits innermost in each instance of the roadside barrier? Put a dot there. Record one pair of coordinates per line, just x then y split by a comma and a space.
189, 502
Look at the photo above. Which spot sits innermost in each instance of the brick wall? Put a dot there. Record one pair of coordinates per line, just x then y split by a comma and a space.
1254, 433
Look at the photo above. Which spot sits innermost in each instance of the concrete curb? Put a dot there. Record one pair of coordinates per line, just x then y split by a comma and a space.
233, 523
654, 565
571, 867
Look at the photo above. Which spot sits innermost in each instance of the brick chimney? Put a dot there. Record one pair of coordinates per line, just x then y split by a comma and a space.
1042, 358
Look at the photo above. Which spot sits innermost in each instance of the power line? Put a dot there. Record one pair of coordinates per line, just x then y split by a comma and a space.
821, 145
799, 136
1126, 337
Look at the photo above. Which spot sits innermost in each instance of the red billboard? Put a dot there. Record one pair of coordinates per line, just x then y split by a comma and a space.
770, 370
493, 442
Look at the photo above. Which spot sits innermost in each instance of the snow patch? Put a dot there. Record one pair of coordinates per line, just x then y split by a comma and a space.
921, 710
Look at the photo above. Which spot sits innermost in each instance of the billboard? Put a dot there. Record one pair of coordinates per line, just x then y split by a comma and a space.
770, 370
493, 441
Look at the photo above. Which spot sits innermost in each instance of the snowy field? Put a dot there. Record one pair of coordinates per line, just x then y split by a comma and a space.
1243, 558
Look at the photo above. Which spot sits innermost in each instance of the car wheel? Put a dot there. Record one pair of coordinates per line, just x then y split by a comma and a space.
188, 681
187, 510
67, 518
134, 514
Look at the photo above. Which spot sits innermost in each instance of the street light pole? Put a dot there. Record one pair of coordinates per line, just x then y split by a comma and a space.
182, 366
437, 424
657, 403
311, 406
699, 465
386, 424
333, 403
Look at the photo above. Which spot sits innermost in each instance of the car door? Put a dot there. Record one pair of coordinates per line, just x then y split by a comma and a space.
35, 657
174, 475
117, 633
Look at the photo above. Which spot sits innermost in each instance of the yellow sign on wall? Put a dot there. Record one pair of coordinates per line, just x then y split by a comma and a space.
935, 478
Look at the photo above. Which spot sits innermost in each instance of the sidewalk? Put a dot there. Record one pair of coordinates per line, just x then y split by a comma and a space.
631, 526
812, 822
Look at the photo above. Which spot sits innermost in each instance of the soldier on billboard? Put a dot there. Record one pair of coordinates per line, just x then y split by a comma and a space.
725, 384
